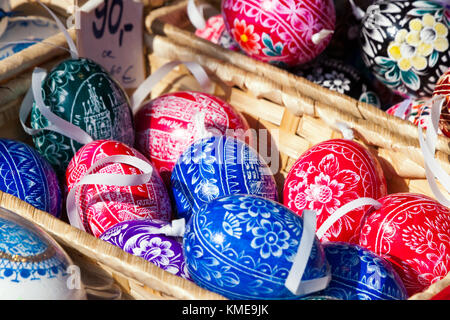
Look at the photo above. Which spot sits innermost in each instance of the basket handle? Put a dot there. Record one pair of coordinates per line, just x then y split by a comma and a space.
144, 89
433, 170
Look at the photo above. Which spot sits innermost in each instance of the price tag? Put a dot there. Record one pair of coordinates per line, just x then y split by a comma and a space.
110, 33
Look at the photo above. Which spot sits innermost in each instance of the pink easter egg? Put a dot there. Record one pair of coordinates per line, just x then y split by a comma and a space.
166, 126
103, 206
282, 32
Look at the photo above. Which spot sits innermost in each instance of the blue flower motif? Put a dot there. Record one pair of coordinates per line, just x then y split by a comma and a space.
270, 238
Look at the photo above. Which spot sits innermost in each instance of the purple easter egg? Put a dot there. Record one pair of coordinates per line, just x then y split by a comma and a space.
140, 238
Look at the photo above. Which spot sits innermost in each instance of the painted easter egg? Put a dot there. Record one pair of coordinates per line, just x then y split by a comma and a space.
103, 206
140, 237
25, 174
337, 76
360, 274
82, 92
243, 246
411, 231
33, 266
166, 126
443, 88
329, 175
417, 111
285, 33
5, 13
216, 32
23, 32
405, 44
219, 166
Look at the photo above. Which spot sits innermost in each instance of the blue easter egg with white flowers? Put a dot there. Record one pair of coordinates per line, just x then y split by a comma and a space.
219, 166
25, 174
243, 247
360, 274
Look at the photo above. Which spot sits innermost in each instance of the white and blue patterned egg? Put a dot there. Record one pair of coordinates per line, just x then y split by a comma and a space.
243, 247
219, 166
33, 265
25, 174
359, 274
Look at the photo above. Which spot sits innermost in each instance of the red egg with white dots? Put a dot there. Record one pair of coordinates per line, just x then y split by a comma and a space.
102, 206
412, 231
329, 175
166, 126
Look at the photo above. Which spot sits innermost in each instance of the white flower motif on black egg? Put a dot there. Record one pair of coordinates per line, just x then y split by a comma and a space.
336, 81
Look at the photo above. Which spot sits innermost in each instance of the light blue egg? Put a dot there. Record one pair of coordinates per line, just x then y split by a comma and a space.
219, 166
243, 247
359, 274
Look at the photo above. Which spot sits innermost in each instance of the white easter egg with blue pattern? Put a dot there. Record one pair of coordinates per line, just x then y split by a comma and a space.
243, 247
33, 265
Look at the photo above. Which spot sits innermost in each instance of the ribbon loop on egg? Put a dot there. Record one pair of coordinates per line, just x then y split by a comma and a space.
339, 213
147, 85
195, 14
294, 279
433, 170
58, 124
111, 179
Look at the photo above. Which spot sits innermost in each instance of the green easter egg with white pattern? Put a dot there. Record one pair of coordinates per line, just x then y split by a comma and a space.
82, 92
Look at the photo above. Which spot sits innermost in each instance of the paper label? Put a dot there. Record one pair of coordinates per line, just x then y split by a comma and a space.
110, 33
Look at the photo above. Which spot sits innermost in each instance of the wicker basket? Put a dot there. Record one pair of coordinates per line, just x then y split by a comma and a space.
299, 112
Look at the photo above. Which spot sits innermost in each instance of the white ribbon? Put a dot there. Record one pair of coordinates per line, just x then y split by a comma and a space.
72, 47
339, 213
357, 11
404, 105
294, 281
345, 129
316, 38
175, 229
433, 170
58, 124
195, 15
110, 179
147, 85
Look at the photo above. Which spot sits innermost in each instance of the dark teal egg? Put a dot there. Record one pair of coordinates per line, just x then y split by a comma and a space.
82, 92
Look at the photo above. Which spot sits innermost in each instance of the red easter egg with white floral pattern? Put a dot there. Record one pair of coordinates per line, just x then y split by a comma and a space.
412, 231
443, 88
103, 206
282, 32
166, 126
329, 175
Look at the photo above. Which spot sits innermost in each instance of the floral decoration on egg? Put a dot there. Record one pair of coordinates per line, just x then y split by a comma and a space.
405, 44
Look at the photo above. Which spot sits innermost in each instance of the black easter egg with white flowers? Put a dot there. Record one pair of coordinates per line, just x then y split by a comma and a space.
405, 44
337, 76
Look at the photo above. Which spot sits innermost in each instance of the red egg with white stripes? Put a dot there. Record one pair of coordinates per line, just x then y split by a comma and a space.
443, 88
101, 206
282, 32
412, 231
329, 175
166, 126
